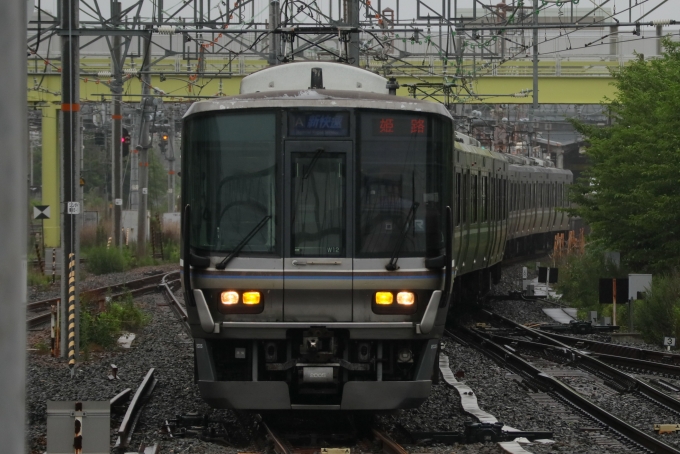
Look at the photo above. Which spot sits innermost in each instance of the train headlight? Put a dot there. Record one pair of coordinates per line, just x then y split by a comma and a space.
406, 298
230, 298
384, 298
251, 298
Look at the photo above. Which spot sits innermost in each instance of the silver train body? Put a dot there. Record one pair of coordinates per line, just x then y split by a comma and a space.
327, 231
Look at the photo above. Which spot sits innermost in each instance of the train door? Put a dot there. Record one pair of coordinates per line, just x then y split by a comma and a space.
318, 231
458, 216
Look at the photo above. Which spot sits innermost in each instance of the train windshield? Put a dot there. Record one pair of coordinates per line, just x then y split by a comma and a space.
231, 159
400, 173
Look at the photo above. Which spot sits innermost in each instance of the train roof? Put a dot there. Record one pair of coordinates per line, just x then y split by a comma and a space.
317, 98
298, 76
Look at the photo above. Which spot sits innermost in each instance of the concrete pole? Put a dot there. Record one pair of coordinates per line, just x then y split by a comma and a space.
143, 147
274, 39
171, 162
614, 42
659, 34
70, 178
353, 45
117, 132
13, 228
535, 38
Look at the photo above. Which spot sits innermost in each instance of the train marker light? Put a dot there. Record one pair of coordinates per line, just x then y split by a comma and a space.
251, 298
406, 298
384, 298
229, 297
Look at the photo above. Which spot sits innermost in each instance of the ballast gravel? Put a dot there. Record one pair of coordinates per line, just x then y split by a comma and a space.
164, 346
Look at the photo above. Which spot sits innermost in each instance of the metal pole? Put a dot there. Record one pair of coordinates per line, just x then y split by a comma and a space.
353, 48
144, 144
117, 132
13, 228
70, 178
535, 38
274, 47
171, 163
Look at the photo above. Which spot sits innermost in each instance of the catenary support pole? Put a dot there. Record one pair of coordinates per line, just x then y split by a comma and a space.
143, 146
170, 156
274, 45
70, 169
117, 132
353, 48
13, 228
535, 60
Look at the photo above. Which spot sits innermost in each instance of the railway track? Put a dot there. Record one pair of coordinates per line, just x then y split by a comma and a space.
546, 379
284, 441
135, 287
632, 359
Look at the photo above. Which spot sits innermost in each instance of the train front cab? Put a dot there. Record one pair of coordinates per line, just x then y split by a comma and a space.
346, 254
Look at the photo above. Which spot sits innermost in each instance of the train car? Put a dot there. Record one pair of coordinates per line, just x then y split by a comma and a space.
325, 224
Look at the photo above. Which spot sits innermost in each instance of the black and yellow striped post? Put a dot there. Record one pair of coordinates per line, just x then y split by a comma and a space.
72, 313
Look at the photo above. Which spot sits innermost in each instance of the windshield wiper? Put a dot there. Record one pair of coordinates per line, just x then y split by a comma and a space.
311, 164
392, 264
223, 264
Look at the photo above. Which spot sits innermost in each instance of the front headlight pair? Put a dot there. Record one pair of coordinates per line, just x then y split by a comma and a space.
232, 297
387, 298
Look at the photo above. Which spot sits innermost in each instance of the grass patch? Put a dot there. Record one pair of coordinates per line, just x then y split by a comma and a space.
101, 260
39, 280
42, 347
102, 329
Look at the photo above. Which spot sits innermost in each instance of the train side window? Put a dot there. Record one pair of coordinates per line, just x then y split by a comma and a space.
458, 197
485, 198
502, 201
466, 195
474, 200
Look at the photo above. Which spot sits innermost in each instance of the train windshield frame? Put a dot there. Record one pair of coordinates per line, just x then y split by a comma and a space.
233, 165
402, 185
232, 160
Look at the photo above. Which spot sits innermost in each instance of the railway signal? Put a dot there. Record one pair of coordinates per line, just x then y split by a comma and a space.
126, 140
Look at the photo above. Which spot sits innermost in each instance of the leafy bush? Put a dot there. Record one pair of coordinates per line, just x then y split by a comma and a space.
103, 328
579, 277
101, 260
659, 314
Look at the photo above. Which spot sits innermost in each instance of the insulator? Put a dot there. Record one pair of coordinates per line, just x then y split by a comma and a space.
103, 74
167, 30
661, 22
131, 71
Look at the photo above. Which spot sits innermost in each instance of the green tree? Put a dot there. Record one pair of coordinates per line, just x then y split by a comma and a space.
630, 195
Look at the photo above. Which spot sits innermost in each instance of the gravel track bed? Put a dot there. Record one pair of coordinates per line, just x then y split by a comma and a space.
163, 345
634, 409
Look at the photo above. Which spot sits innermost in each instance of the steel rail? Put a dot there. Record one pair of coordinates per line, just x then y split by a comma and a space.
45, 317
505, 357
177, 307
279, 445
595, 364
618, 350
389, 446
136, 287
133, 412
